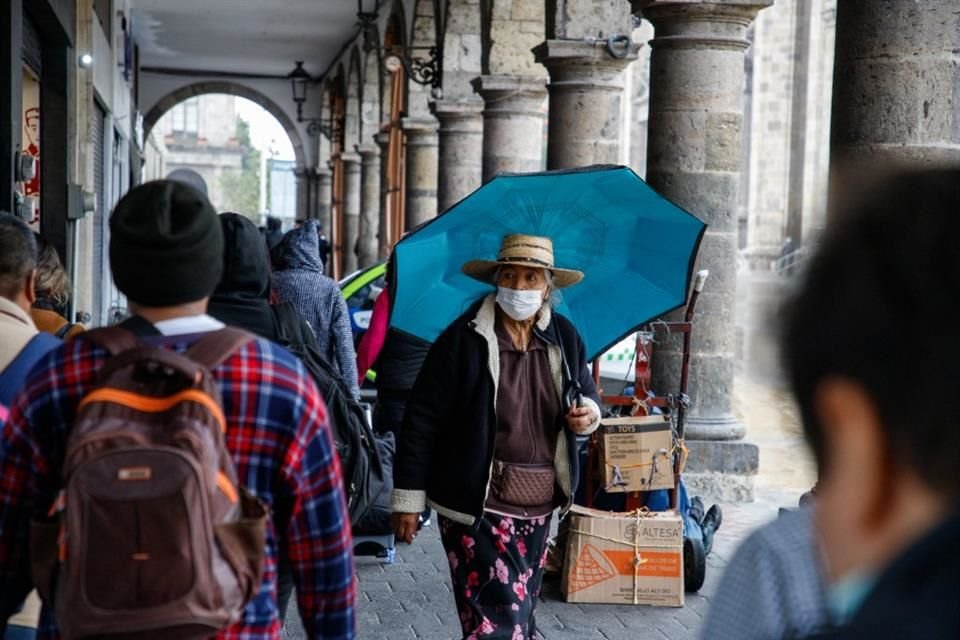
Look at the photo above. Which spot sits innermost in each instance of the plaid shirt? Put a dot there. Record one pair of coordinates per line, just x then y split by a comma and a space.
281, 445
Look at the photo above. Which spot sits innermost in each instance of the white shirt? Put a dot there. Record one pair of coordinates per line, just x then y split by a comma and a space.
201, 323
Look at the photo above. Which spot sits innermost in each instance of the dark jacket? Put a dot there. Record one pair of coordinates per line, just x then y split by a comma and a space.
446, 443
399, 362
917, 596
242, 298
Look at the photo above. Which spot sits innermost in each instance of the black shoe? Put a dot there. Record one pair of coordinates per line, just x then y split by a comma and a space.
709, 525
425, 519
696, 509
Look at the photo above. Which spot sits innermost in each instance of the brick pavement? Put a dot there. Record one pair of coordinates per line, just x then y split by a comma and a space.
412, 597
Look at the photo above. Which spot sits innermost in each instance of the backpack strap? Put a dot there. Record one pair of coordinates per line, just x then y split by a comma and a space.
115, 340
290, 326
14, 375
215, 347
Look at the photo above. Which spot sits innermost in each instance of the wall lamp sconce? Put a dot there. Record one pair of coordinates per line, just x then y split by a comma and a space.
300, 78
85, 60
422, 70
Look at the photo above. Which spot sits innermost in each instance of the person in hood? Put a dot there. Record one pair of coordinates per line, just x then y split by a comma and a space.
242, 298
301, 282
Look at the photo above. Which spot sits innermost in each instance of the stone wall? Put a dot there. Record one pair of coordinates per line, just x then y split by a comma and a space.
774, 56
792, 69
516, 27
462, 49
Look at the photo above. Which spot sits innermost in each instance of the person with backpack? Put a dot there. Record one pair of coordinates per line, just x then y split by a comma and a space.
139, 461
21, 348
299, 280
242, 299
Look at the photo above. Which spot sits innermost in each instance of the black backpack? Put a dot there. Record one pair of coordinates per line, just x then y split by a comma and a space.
364, 477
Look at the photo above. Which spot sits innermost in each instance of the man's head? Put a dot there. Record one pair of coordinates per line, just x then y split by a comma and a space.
166, 246
31, 118
18, 261
871, 347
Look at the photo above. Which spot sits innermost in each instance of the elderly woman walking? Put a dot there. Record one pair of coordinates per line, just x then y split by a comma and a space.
488, 437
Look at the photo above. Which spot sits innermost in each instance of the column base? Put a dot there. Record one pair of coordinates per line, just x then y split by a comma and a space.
721, 470
724, 427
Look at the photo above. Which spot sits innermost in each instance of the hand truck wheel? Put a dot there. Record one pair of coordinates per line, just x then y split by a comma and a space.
694, 564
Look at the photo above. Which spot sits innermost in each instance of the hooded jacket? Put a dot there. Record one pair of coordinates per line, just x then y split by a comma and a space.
446, 444
242, 298
318, 299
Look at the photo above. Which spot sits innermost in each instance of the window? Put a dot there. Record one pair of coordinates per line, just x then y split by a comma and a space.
185, 117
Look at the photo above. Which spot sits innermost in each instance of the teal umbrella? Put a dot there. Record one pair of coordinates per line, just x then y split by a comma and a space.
635, 248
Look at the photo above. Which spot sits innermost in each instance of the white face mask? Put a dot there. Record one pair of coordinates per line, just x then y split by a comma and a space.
519, 305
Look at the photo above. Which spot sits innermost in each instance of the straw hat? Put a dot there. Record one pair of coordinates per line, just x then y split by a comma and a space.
525, 251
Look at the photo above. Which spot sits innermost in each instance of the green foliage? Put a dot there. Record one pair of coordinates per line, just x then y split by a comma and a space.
241, 188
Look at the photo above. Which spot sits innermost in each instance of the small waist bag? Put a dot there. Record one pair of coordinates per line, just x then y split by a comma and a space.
523, 485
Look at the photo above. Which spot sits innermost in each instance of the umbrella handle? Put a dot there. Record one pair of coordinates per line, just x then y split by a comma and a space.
574, 398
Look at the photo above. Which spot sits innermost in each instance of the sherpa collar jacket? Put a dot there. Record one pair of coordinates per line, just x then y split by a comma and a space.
446, 443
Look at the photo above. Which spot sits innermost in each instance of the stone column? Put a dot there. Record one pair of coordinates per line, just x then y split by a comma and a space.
460, 149
324, 197
369, 205
351, 210
383, 239
586, 81
513, 118
693, 158
421, 170
895, 80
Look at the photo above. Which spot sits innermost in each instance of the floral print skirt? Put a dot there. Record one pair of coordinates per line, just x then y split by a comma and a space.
496, 569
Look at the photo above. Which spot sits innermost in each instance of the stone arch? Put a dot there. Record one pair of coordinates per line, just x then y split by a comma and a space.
423, 35
351, 130
509, 30
173, 98
462, 48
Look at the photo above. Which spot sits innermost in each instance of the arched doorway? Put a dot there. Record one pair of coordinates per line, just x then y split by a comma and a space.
233, 149
173, 98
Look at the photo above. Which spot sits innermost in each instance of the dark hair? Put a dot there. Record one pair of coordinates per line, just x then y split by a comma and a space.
880, 305
18, 254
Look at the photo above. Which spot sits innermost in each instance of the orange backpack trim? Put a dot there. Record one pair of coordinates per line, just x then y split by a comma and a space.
155, 405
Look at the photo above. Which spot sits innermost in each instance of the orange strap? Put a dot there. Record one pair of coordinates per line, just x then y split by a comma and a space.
224, 484
155, 405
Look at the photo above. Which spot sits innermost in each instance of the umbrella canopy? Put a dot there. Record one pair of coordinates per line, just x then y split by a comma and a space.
635, 247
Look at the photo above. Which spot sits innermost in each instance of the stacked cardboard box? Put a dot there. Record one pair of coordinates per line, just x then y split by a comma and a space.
624, 558
636, 454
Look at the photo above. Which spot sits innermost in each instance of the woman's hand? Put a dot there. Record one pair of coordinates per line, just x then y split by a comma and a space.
405, 526
579, 419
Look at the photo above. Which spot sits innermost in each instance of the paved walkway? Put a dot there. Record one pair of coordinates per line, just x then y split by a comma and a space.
412, 599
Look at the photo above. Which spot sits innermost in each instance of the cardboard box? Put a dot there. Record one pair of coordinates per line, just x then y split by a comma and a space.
636, 454
624, 558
